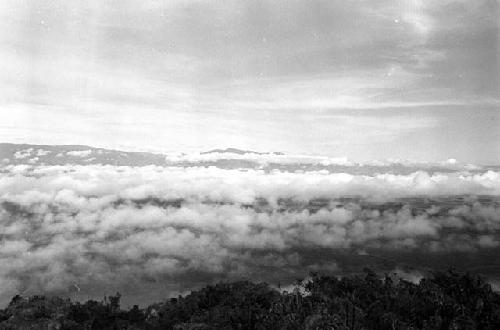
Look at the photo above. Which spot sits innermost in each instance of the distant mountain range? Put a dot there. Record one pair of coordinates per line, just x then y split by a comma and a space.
74, 154
11, 153
33, 154
229, 158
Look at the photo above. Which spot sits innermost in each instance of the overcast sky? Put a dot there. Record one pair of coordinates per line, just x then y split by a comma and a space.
418, 80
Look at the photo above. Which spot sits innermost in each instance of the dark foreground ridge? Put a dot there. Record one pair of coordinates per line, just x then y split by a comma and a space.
445, 300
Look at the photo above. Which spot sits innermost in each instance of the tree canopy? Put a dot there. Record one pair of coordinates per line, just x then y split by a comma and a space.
444, 300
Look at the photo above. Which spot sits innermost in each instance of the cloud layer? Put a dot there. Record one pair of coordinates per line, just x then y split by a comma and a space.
104, 228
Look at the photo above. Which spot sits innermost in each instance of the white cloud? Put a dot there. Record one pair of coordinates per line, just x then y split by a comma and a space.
104, 226
23, 153
41, 152
79, 153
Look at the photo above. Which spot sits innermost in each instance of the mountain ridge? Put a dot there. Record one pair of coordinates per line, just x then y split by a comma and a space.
228, 158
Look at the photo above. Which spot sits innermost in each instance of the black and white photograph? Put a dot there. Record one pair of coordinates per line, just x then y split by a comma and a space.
250, 164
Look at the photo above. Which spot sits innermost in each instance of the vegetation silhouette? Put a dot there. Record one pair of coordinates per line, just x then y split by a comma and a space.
444, 300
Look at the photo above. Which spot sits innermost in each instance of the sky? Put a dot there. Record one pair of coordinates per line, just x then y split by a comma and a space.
416, 80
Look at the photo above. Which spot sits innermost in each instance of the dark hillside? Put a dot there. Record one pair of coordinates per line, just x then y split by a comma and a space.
446, 300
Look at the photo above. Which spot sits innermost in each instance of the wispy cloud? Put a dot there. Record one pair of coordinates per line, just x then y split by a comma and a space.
190, 75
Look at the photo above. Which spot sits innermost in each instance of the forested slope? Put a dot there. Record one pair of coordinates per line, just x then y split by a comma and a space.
445, 300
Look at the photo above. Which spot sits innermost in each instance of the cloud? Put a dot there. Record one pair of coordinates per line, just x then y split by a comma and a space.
21, 154
103, 227
79, 153
41, 152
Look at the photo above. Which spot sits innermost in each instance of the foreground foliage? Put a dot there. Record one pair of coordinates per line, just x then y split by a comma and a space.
446, 300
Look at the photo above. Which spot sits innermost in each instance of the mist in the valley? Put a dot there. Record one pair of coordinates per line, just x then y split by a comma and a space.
151, 232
